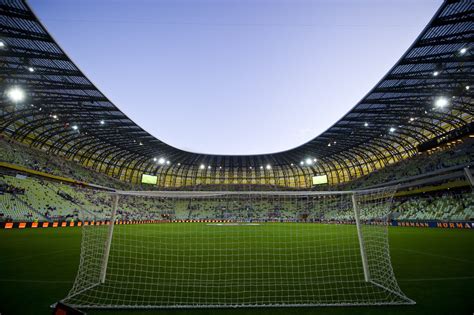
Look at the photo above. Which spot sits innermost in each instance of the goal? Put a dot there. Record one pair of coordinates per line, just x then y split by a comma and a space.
178, 249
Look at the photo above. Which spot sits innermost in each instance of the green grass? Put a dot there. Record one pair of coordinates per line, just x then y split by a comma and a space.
434, 267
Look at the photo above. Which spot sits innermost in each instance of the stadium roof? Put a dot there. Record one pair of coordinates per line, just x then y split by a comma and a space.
422, 97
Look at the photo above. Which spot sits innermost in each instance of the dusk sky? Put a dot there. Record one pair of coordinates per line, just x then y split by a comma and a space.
235, 76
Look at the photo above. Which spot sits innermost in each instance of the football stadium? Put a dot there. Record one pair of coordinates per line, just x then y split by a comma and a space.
373, 215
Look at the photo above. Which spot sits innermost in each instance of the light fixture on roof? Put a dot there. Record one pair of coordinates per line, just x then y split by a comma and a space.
250, 167
268, 167
261, 167
366, 124
168, 162
16, 94
74, 127
441, 102
463, 50
392, 129
435, 73
412, 119
301, 163
141, 143
220, 167
291, 164
154, 159
102, 122
329, 144
161, 161
31, 69
55, 116
209, 167
179, 164
202, 166
309, 161
2, 44
467, 87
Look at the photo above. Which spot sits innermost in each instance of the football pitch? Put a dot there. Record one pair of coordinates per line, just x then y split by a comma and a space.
435, 267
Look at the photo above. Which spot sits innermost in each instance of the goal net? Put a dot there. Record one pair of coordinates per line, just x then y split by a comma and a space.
235, 249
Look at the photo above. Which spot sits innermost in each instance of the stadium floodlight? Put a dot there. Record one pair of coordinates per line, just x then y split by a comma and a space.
55, 116
162, 161
141, 143
75, 127
315, 160
16, 94
31, 69
2, 44
435, 74
261, 167
441, 102
467, 87
309, 161
179, 164
366, 124
168, 162
392, 129
301, 163
268, 167
209, 167
463, 50
202, 166
329, 144
154, 159
412, 119
102, 122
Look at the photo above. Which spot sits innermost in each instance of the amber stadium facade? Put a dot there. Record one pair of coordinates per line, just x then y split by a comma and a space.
423, 100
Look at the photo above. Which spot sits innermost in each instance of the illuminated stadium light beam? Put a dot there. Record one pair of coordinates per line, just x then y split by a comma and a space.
366, 124
154, 159
441, 102
392, 129
202, 166
31, 69
268, 167
2, 44
75, 127
301, 163
309, 161
102, 122
467, 87
16, 94
168, 162
463, 50
161, 161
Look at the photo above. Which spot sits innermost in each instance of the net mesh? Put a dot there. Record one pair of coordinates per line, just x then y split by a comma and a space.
230, 249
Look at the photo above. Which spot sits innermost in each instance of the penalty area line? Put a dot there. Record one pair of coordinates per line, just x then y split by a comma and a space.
435, 279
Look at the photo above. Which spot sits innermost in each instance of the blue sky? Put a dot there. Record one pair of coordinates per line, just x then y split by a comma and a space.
235, 76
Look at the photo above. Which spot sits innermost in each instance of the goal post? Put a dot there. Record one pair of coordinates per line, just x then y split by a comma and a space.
108, 241
360, 236
176, 249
